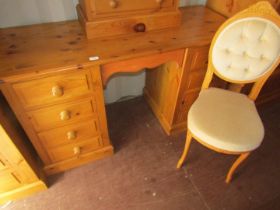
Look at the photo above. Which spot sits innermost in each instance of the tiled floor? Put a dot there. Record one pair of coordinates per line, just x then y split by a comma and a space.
142, 175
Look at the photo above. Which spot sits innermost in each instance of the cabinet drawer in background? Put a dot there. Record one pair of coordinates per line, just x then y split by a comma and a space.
69, 134
74, 150
117, 6
63, 114
53, 89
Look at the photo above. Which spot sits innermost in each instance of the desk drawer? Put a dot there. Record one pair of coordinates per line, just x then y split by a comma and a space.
69, 134
75, 150
53, 89
63, 114
117, 6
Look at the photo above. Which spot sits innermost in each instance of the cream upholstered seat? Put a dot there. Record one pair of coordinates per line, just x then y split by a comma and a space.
226, 120
245, 49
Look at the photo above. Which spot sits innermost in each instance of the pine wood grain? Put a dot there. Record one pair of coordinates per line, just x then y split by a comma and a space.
41, 49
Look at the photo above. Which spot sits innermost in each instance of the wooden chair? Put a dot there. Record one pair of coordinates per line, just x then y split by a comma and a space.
245, 49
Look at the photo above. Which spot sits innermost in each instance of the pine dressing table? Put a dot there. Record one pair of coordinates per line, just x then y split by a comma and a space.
56, 92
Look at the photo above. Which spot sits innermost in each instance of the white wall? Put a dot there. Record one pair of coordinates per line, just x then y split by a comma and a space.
26, 12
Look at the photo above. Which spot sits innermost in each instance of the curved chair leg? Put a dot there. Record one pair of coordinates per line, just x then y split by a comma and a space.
186, 149
238, 161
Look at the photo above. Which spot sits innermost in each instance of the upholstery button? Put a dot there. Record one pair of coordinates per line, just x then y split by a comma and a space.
227, 51
245, 54
246, 70
262, 39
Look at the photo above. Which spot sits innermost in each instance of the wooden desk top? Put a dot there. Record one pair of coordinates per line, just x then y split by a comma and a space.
45, 48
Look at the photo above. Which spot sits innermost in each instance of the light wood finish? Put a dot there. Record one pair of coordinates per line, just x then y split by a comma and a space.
82, 159
264, 11
128, 25
116, 7
230, 7
69, 133
186, 150
62, 114
55, 91
64, 126
172, 88
19, 171
239, 160
68, 49
23, 191
161, 92
101, 18
75, 149
138, 64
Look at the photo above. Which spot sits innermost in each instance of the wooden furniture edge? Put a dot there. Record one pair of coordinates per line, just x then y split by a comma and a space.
163, 121
22, 191
83, 159
142, 62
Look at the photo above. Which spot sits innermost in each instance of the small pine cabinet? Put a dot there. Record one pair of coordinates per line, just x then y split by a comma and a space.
20, 173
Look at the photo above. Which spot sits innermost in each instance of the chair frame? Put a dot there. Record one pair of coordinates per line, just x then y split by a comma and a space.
262, 10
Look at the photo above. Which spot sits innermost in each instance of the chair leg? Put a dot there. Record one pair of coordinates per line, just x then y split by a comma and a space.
186, 149
238, 161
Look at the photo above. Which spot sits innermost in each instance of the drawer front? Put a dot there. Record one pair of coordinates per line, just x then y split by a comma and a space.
60, 115
8, 181
132, 24
53, 89
74, 150
69, 134
117, 6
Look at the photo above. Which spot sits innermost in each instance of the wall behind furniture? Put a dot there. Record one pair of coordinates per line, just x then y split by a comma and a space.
26, 12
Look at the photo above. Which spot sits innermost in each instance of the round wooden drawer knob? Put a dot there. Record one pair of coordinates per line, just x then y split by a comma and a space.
57, 91
71, 135
140, 27
77, 150
159, 1
65, 115
113, 4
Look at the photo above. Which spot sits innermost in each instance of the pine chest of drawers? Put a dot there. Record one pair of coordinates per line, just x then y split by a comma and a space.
101, 18
64, 115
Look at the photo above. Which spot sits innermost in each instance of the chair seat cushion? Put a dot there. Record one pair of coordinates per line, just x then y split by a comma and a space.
226, 120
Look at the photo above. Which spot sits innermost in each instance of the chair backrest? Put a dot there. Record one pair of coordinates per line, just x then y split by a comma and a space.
246, 48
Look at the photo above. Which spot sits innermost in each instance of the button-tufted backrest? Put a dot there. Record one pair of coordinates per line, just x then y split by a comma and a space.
246, 49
